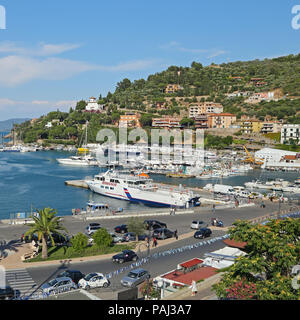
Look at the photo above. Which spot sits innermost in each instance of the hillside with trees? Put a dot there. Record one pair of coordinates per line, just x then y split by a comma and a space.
197, 84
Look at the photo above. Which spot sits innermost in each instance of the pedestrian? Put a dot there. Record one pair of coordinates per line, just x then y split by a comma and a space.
154, 242
176, 234
194, 288
214, 209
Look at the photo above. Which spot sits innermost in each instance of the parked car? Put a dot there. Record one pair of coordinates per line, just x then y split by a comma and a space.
129, 236
154, 224
116, 239
163, 233
125, 256
59, 239
135, 277
75, 275
7, 293
203, 233
59, 285
27, 240
92, 228
196, 224
93, 280
121, 229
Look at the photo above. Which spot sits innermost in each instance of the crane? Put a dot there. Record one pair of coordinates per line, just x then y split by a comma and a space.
251, 160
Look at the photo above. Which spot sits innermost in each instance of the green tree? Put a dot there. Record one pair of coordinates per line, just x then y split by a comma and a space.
81, 105
272, 250
102, 238
45, 224
79, 242
136, 226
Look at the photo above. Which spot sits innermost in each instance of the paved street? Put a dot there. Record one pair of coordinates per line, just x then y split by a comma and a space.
38, 275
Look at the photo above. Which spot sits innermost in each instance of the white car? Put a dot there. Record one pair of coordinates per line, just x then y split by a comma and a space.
93, 280
197, 224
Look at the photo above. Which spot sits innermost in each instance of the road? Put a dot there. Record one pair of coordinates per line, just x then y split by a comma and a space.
155, 266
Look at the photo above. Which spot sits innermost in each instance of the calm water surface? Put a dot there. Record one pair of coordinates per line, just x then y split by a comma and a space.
36, 180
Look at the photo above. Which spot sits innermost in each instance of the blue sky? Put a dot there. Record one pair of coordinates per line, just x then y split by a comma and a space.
54, 53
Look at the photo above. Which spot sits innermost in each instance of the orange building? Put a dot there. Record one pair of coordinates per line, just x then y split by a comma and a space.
130, 120
221, 120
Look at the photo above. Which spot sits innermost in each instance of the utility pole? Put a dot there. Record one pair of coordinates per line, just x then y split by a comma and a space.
148, 256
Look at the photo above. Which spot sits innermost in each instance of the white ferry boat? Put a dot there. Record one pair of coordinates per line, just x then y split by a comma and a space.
141, 189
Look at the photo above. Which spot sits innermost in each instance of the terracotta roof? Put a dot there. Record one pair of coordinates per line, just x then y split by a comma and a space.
222, 115
191, 263
235, 244
290, 157
196, 275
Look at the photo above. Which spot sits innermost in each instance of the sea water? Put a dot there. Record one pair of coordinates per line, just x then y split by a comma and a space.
30, 181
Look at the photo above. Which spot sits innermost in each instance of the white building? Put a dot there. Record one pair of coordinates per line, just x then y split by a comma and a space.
222, 258
93, 105
49, 125
290, 131
272, 155
205, 108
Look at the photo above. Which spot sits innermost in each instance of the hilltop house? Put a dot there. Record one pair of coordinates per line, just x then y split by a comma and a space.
93, 106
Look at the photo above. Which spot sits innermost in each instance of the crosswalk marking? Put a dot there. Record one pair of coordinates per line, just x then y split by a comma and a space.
20, 279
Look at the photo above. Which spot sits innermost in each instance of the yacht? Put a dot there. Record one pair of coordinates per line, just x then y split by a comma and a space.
80, 160
83, 161
139, 188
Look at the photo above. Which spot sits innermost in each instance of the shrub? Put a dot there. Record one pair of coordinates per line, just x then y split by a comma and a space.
79, 242
102, 238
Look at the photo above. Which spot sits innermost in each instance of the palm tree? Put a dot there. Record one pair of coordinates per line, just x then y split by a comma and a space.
44, 225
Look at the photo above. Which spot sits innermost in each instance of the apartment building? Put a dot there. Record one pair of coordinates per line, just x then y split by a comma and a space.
251, 126
167, 122
205, 107
201, 121
271, 127
130, 120
290, 132
221, 120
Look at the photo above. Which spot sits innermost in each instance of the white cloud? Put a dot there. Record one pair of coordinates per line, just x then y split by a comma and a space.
178, 47
217, 53
42, 49
16, 70
29, 109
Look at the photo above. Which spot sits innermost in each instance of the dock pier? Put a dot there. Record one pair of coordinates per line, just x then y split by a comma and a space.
77, 184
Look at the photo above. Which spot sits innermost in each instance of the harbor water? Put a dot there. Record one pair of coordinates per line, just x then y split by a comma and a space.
30, 181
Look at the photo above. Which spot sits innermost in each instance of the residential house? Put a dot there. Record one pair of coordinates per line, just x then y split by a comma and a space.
172, 88
201, 121
290, 132
130, 120
167, 122
221, 120
271, 127
261, 96
93, 106
205, 107
251, 126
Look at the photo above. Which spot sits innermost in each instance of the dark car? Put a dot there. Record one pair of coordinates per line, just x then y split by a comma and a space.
27, 239
129, 236
75, 275
121, 229
7, 293
203, 233
58, 239
163, 233
125, 256
154, 224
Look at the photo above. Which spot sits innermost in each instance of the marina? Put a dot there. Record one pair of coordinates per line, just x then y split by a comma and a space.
35, 177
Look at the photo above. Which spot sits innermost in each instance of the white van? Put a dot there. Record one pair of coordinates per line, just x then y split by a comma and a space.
223, 189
